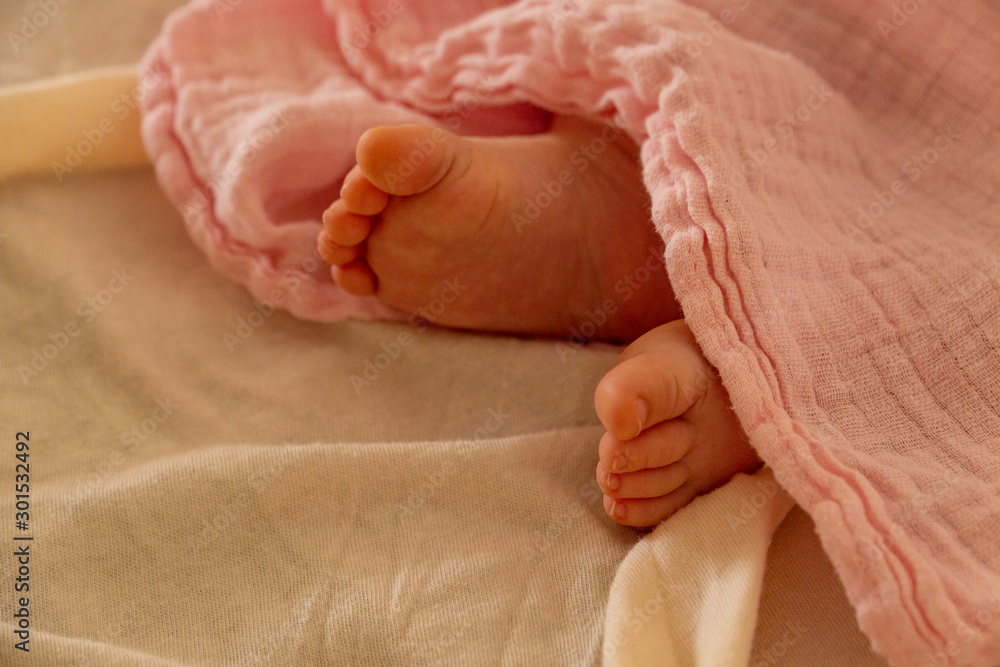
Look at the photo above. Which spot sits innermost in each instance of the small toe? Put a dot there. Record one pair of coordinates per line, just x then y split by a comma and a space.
334, 253
658, 446
343, 227
646, 512
355, 278
651, 483
361, 196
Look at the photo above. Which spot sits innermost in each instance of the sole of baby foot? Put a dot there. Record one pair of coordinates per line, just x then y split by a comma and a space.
671, 434
428, 223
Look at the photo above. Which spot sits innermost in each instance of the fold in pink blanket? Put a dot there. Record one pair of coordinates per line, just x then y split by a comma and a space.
824, 175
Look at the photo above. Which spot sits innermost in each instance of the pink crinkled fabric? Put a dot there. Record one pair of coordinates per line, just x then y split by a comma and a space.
824, 174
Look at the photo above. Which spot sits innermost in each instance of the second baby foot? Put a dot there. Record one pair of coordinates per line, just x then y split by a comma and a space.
521, 234
671, 432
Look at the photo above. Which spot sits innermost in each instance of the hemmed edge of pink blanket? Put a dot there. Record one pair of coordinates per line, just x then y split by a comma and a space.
296, 289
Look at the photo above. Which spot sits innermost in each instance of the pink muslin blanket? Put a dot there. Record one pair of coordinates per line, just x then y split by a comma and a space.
824, 174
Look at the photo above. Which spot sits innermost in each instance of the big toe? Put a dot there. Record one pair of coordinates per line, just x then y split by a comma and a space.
660, 376
409, 159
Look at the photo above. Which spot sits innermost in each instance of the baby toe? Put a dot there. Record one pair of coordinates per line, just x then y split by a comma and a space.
355, 278
360, 195
657, 446
619, 402
651, 483
406, 160
343, 227
646, 512
334, 253
659, 377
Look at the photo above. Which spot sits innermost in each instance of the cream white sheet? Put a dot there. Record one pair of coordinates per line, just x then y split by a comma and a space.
209, 486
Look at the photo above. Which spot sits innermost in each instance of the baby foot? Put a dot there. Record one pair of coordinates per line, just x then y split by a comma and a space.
671, 433
529, 234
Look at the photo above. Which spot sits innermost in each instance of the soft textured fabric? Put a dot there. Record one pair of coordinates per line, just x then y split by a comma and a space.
669, 608
824, 178
109, 506
124, 489
193, 504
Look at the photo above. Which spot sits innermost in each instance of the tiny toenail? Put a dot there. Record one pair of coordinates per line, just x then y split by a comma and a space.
613, 482
617, 510
642, 411
620, 463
